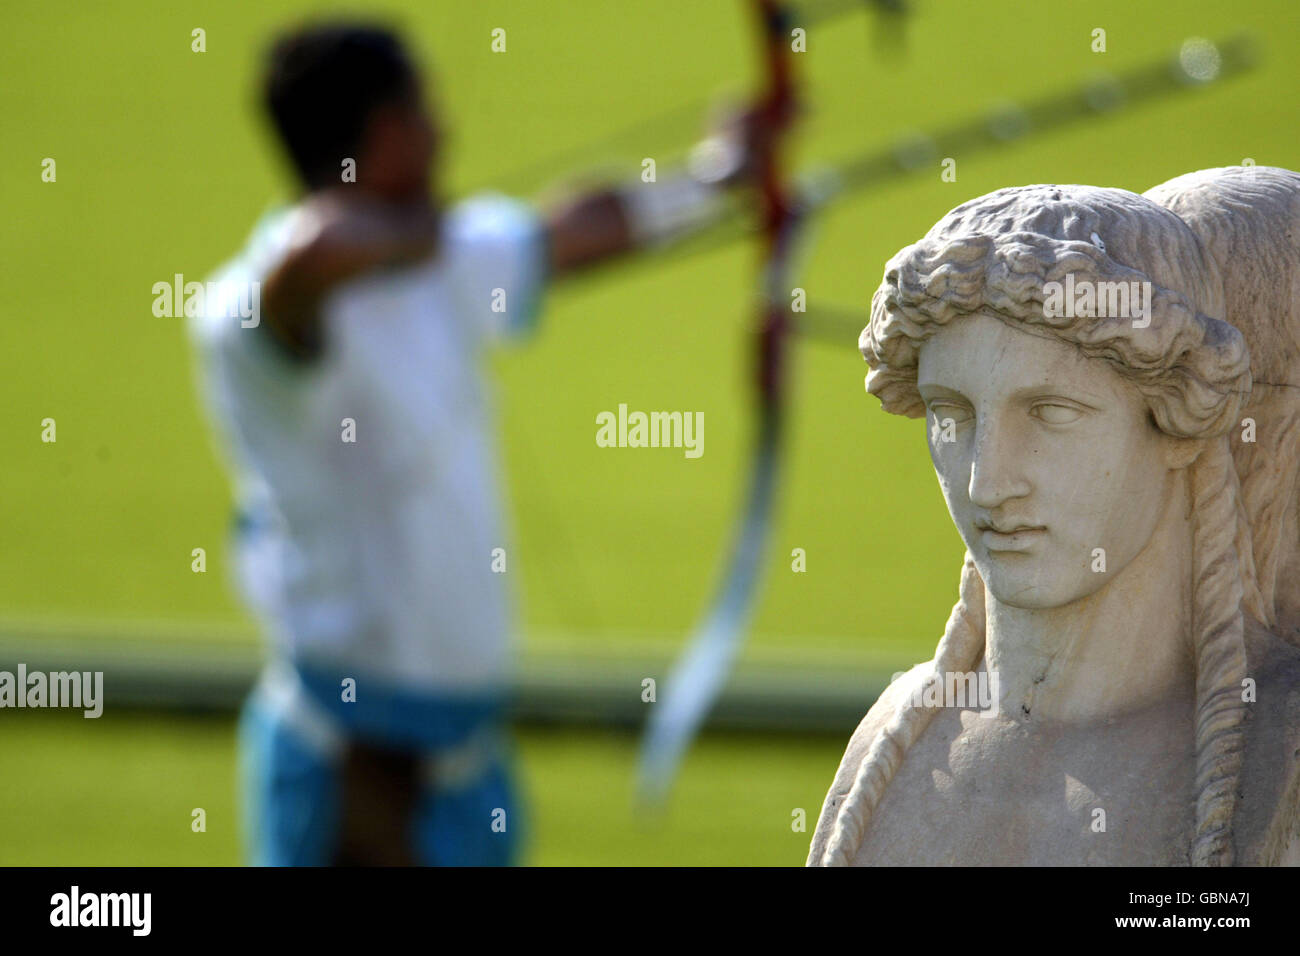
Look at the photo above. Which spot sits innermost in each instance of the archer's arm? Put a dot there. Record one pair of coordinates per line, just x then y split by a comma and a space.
586, 230
596, 226
336, 240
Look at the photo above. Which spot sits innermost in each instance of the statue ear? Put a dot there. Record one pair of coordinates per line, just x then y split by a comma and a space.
1179, 453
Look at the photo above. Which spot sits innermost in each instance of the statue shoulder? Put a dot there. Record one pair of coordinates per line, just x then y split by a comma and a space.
1268, 821
881, 712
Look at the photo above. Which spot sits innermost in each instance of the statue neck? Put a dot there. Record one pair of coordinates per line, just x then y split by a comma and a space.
1123, 648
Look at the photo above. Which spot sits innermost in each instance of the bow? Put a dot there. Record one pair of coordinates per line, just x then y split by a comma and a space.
698, 676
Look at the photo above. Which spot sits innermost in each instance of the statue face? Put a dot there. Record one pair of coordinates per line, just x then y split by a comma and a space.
1043, 456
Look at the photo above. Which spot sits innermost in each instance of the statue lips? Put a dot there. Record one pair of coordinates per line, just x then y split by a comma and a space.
1008, 536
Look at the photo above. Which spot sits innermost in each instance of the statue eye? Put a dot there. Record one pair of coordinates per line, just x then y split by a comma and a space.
1056, 413
960, 414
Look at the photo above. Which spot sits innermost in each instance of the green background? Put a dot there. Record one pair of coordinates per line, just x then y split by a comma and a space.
163, 166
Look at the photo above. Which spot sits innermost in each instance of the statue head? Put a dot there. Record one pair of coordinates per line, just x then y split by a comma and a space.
1061, 342
1068, 347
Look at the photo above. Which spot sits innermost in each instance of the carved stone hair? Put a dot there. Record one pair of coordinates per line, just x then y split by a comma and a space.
996, 254
1248, 221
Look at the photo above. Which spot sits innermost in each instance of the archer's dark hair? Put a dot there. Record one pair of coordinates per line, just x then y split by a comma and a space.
322, 81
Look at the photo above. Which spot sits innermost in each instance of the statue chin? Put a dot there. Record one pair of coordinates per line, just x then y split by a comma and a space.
1047, 577
1011, 582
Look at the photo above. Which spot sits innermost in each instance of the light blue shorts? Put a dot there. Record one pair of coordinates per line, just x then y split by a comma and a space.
292, 734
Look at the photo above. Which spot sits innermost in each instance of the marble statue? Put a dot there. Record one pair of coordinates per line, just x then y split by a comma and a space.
1111, 388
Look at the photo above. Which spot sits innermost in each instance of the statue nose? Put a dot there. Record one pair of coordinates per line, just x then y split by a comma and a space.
996, 473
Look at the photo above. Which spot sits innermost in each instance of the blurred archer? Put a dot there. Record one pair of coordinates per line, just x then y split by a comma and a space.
359, 437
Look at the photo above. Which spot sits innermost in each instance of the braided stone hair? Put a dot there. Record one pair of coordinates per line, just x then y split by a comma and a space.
996, 253
1248, 221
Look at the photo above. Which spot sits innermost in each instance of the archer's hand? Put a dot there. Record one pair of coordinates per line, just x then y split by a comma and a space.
734, 153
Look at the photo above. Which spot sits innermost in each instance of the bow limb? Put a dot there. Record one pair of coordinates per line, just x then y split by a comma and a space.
700, 674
